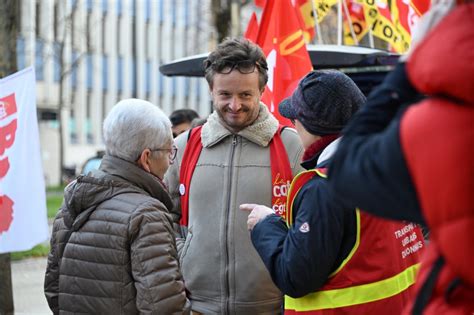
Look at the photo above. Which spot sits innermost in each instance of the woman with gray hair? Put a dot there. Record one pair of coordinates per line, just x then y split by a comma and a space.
113, 247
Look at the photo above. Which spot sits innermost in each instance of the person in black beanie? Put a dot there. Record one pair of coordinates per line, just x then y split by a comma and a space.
320, 107
328, 258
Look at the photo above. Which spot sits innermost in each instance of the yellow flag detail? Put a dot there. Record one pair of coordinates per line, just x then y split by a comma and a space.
382, 26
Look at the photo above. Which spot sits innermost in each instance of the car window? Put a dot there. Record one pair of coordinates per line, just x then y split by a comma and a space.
90, 165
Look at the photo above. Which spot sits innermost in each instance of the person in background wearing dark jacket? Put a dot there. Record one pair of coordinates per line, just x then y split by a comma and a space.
417, 162
331, 258
113, 249
182, 120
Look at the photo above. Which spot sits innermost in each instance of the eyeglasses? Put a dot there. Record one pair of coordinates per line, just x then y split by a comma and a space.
173, 151
243, 66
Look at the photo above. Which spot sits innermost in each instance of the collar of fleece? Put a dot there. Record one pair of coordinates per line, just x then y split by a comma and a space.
261, 131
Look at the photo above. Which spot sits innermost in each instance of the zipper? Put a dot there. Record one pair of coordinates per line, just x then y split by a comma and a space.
226, 256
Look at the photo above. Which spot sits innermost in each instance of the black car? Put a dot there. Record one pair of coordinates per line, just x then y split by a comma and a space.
366, 66
92, 163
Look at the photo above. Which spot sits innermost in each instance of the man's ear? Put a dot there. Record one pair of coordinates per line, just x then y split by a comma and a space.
143, 160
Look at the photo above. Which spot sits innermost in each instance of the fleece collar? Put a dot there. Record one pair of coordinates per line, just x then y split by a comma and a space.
260, 132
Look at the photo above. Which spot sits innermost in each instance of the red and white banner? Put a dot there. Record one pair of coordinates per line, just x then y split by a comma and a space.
23, 218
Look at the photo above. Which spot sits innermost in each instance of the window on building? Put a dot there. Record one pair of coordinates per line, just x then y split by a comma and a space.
57, 62
173, 87
120, 74
134, 45
89, 134
133, 8
74, 65
133, 77
119, 7
160, 84
105, 73
73, 128
198, 90
186, 87
48, 115
186, 13
147, 42
104, 34
73, 24
161, 11
104, 7
147, 10
104, 111
89, 129
90, 71
148, 77
39, 60
89, 5
20, 52
173, 12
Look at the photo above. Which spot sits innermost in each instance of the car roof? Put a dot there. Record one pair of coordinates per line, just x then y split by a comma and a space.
322, 57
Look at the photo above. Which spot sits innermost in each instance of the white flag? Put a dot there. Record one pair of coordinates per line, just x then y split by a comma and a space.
23, 217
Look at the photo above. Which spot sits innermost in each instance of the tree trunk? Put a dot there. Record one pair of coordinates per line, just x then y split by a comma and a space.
59, 115
221, 11
9, 13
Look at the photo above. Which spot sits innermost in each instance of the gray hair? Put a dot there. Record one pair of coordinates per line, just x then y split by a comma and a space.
134, 125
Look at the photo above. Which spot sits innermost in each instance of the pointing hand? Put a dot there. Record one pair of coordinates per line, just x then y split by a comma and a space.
257, 213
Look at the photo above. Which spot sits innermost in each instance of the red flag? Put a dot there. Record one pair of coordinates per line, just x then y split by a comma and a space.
281, 38
356, 18
260, 3
420, 6
252, 28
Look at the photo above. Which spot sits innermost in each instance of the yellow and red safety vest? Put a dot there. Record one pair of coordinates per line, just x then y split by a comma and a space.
378, 274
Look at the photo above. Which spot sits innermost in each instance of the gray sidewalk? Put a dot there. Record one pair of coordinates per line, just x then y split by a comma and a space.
27, 279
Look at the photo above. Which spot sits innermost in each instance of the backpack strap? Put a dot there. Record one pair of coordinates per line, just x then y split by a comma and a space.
282, 174
188, 164
298, 182
427, 288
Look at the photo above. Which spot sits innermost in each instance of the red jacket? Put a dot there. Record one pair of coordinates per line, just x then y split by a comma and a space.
442, 126
419, 166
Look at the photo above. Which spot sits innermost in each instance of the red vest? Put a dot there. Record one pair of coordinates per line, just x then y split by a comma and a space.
280, 166
437, 138
377, 275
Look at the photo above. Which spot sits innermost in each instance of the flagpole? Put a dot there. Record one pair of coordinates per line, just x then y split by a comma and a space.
339, 22
316, 24
349, 20
371, 38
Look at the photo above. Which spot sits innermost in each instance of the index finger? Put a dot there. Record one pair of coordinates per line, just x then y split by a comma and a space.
247, 206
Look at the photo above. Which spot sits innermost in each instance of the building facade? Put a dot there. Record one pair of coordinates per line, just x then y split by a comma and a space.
89, 54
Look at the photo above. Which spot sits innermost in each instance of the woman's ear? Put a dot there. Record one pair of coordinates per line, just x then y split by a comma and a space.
143, 160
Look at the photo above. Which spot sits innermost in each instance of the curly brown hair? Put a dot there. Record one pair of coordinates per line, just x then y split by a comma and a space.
234, 50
